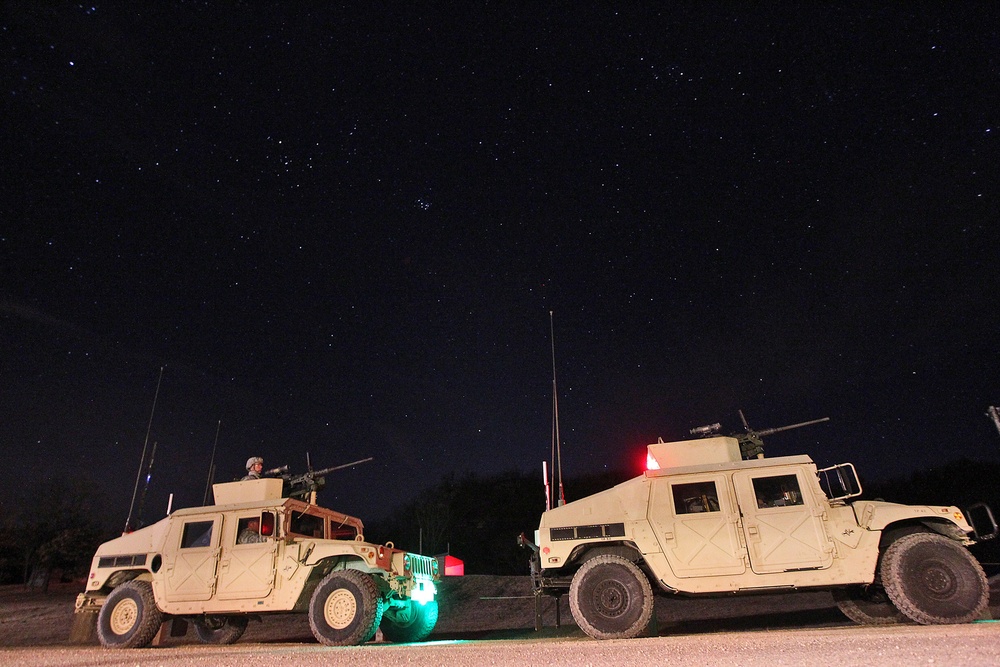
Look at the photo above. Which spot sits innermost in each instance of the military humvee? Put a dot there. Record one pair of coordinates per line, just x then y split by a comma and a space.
255, 552
702, 520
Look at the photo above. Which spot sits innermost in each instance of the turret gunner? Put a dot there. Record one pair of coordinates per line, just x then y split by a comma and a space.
255, 465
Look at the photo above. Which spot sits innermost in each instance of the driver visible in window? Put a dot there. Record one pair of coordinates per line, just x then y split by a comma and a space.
251, 534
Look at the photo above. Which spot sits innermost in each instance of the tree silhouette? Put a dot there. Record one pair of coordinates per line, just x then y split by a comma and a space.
478, 518
55, 530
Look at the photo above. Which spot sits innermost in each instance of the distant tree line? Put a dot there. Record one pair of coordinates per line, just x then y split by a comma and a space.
478, 519
51, 533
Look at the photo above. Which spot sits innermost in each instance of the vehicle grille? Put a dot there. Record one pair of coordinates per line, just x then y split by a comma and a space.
421, 566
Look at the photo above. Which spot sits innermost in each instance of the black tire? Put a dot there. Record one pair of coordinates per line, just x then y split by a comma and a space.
410, 622
867, 605
129, 617
220, 629
933, 579
345, 608
611, 598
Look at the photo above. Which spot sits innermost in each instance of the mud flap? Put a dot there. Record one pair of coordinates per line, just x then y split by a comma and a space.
84, 628
172, 627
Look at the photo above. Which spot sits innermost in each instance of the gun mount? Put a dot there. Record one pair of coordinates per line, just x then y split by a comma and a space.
305, 486
751, 441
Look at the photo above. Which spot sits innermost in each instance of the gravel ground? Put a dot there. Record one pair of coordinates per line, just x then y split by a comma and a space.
471, 607
488, 620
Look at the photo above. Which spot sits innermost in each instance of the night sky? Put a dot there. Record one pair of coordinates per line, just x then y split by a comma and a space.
340, 229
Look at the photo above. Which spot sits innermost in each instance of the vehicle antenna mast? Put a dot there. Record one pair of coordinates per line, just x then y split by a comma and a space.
994, 413
149, 477
211, 464
145, 444
556, 446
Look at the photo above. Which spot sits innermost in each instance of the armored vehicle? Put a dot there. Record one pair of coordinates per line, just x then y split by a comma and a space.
254, 552
702, 520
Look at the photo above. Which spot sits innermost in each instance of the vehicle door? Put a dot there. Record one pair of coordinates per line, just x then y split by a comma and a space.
191, 558
782, 521
246, 569
696, 521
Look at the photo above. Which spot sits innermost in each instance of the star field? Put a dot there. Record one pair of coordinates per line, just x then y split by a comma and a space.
341, 230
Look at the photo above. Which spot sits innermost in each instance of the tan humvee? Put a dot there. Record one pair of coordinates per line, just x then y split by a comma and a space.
702, 520
252, 553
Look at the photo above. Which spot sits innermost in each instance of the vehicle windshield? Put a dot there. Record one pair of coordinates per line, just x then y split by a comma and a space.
840, 481
312, 521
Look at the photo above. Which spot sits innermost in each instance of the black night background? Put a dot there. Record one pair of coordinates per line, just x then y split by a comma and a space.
340, 229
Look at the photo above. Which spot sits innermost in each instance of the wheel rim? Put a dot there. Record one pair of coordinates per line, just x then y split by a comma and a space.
610, 598
340, 609
939, 579
124, 616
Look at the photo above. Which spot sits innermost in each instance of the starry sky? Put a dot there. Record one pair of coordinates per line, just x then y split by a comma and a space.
339, 229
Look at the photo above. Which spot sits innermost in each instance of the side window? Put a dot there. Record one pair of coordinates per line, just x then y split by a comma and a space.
255, 529
696, 497
248, 530
780, 491
197, 534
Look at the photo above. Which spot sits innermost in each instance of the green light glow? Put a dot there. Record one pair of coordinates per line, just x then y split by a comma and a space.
424, 592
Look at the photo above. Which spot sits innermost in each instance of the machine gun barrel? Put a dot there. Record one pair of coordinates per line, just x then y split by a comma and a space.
317, 473
300, 486
752, 442
779, 429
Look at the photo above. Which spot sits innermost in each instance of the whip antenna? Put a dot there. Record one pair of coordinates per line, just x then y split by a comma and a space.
138, 476
994, 413
149, 477
556, 446
211, 465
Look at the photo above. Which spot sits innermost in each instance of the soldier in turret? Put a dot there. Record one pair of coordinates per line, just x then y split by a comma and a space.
255, 465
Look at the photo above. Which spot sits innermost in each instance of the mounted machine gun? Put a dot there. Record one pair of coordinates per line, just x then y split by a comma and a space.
305, 486
751, 441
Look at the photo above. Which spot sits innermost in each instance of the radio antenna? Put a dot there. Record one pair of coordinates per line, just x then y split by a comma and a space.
994, 413
145, 444
149, 477
556, 446
211, 464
